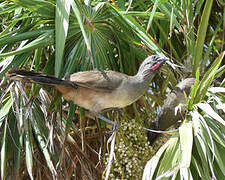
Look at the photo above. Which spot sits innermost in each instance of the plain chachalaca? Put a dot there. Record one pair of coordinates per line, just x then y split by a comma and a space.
98, 90
167, 116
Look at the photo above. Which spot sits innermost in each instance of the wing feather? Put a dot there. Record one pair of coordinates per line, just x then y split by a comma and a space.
98, 80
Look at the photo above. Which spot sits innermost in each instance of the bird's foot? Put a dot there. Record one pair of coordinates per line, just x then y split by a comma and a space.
114, 124
115, 128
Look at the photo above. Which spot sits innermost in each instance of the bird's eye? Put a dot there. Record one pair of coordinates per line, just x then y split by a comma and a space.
154, 57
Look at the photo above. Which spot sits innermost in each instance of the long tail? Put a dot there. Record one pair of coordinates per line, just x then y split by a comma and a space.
33, 77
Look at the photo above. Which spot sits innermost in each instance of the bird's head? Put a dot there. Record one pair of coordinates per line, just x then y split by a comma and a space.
151, 65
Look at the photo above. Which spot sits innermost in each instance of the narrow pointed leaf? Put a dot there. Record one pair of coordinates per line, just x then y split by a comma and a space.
209, 110
3, 152
44, 148
43, 40
5, 110
78, 15
186, 143
201, 148
151, 165
28, 149
152, 15
139, 30
201, 35
170, 157
194, 90
61, 30
208, 78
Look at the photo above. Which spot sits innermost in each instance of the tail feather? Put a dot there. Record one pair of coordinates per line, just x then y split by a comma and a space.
34, 77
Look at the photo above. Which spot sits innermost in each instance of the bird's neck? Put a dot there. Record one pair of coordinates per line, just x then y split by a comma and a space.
143, 79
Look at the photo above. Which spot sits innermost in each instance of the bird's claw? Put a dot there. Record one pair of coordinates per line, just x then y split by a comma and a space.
114, 129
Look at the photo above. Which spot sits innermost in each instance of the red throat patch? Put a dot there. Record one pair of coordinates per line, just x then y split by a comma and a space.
156, 66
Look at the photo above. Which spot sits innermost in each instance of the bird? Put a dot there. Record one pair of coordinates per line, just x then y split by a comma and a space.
168, 115
97, 90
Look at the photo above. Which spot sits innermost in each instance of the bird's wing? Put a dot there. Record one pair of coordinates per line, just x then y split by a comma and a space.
98, 80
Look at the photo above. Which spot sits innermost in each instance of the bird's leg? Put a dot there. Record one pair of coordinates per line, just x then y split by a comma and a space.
115, 125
